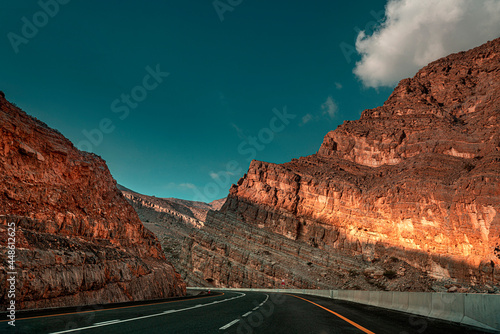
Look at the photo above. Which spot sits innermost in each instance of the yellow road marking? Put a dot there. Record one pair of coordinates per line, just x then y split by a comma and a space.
338, 315
109, 309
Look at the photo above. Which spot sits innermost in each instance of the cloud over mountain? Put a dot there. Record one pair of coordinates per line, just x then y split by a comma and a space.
416, 32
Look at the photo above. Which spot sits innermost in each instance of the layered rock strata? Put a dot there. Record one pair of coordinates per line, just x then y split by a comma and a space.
77, 239
406, 198
417, 178
223, 251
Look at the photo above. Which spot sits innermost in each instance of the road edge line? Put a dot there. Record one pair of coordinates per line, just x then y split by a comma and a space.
335, 313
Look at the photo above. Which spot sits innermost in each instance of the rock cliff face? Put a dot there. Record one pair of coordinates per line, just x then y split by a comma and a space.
402, 199
210, 248
77, 239
417, 178
407, 198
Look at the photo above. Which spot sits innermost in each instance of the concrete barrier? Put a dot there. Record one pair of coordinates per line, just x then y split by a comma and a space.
374, 298
419, 303
346, 295
482, 310
322, 293
479, 310
362, 297
400, 301
385, 299
448, 306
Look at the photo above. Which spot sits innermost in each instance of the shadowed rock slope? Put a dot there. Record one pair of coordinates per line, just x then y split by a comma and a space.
174, 222
77, 239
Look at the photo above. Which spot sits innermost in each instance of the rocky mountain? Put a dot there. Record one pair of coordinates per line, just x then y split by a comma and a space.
417, 178
218, 249
173, 221
405, 198
77, 239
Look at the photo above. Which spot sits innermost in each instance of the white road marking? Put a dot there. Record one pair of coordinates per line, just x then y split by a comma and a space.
244, 315
111, 322
107, 322
229, 324
267, 297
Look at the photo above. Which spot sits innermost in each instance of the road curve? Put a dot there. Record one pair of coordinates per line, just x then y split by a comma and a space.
237, 312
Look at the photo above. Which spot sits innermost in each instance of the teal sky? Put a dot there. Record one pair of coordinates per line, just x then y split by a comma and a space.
190, 134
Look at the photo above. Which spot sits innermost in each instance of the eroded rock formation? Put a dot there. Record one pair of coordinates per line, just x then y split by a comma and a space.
77, 239
405, 198
222, 250
417, 178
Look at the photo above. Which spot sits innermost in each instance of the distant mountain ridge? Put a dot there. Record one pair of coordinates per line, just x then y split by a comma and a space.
173, 221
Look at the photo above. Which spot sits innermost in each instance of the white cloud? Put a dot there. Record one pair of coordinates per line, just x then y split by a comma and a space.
187, 185
416, 32
329, 107
179, 186
239, 131
338, 85
216, 176
306, 118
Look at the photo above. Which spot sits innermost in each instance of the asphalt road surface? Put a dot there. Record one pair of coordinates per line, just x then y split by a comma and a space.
233, 312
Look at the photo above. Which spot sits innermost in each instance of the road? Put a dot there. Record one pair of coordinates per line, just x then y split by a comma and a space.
235, 312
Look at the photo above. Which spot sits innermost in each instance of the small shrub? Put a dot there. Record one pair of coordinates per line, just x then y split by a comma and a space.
353, 273
390, 274
468, 166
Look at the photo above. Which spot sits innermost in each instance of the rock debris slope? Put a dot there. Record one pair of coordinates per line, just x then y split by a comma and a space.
174, 222
78, 240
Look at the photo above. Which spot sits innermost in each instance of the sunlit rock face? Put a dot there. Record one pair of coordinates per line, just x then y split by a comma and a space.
213, 248
417, 178
77, 239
